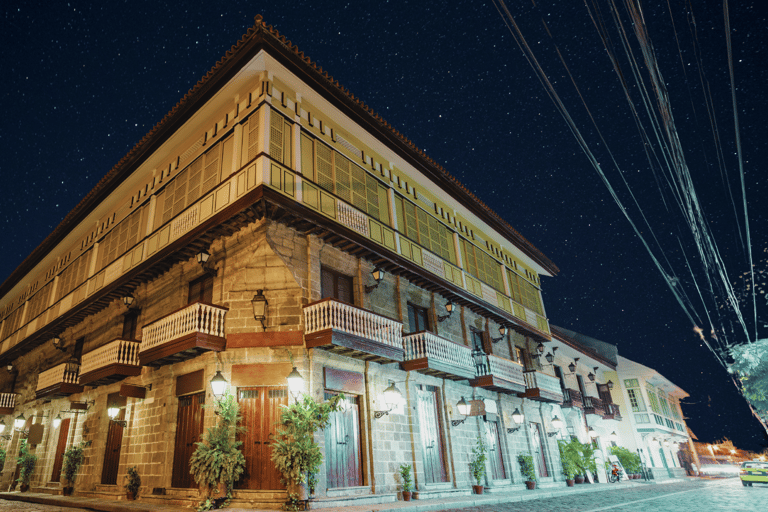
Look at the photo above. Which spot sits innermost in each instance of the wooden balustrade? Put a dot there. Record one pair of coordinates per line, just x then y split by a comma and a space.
7, 403
499, 374
339, 327
61, 380
572, 398
183, 334
430, 354
110, 363
542, 387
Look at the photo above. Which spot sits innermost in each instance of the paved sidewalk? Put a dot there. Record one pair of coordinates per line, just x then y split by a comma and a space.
518, 493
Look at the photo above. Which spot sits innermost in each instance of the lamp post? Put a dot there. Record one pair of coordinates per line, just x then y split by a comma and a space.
219, 386
518, 418
392, 397
463, 408
295, 384
259, 304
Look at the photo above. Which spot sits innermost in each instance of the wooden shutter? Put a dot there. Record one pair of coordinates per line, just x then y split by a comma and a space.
211, 172
287, 144
252, 137
359, 187
307, 157
411, 228
343, 186
189, 427
195, 178
324, 166
276, 136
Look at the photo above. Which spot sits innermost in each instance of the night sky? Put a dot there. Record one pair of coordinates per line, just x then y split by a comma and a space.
83, 84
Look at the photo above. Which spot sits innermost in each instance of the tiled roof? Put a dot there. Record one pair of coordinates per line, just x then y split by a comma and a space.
260, 31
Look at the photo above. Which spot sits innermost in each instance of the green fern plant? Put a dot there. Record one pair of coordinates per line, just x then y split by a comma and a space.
217, 461
526, 467
26, 462
477, 464
73, 459
294, 450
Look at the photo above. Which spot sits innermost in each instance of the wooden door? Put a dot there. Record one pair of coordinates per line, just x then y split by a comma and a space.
112, 450
431, 436
343, 450
189, 427
494, 451
61, 447
538, 449
260, 408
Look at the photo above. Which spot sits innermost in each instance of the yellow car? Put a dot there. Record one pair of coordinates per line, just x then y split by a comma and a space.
754, 472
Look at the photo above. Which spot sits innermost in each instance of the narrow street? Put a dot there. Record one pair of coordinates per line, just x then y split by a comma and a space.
686, 496
693, 495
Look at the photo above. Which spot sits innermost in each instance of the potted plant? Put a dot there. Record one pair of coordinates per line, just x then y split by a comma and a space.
528, 470
628, 459
405, 476
477, 464
26, 463
73, 459
586, 462
217, 462
3, 453
134, 482
568, 458
295, 452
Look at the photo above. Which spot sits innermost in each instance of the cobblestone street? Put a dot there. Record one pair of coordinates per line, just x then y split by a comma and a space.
687, 496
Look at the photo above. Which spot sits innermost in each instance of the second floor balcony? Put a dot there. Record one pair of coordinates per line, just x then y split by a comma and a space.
110, 363
572, 398
593, 405
430, 354
611, 412
542, 387
7, 403
345, 329
183, 334
498, 374
59, 381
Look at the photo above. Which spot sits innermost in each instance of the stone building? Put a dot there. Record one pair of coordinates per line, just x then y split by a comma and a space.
273, 220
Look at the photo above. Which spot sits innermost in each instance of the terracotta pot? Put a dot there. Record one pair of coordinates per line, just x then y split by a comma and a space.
569, 482
579, 479
406, 495
531, 485
67, 491
130, 495
478, 489
24, 487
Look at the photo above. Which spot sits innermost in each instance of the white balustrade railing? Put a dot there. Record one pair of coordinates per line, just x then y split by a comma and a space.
331, 314
58, 375
544, 382
114, 352
7, 400
197, 317
502, 368
427, 344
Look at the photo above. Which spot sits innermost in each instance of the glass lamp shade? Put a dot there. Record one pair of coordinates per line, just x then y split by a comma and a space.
503, 330
572, 367
517, 416
202, 257
463, 407
377, 274
392, 396
609, 384
219, 385
57, 421
549, 357
2, 426
591, 376
19, 422
666, 442
614, 436
540, 348
113, 411
295, 382
449, 307
259, 304
557, 423
592, 433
